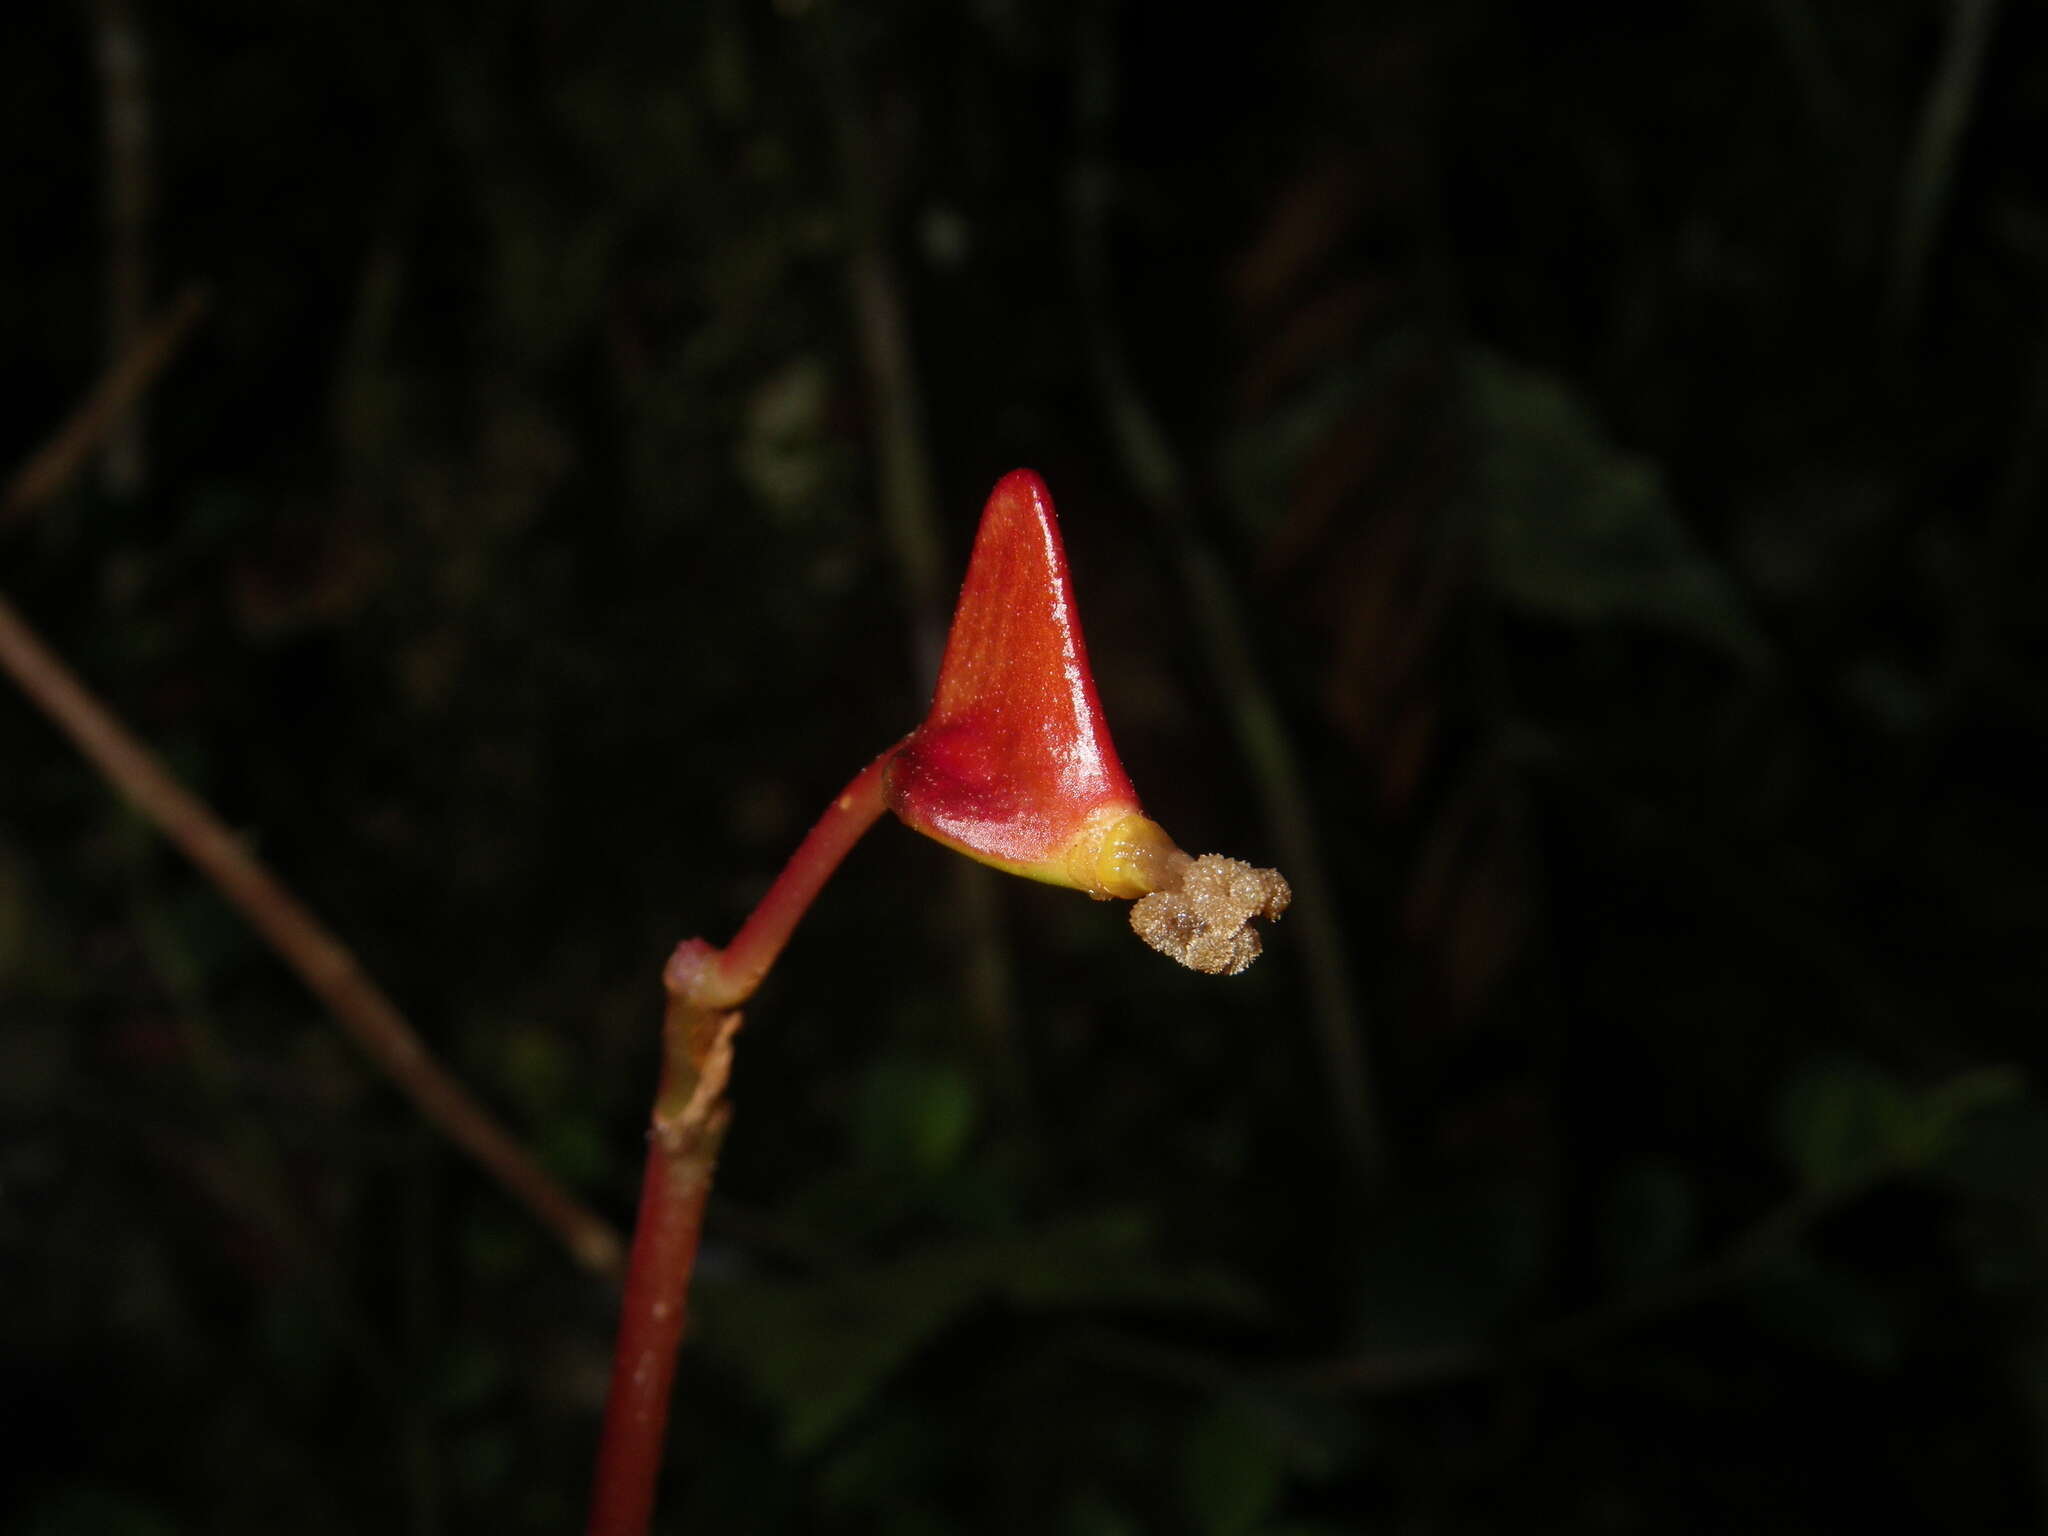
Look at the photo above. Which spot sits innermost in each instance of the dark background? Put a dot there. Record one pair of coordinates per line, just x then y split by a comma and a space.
1582, 475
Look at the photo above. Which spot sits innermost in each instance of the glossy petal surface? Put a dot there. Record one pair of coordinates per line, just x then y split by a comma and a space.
1014, 764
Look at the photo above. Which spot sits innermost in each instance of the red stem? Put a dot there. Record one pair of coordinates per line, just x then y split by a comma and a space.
740, 966
651, 1319
705, 987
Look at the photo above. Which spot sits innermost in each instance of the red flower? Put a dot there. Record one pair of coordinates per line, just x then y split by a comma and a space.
1014, 766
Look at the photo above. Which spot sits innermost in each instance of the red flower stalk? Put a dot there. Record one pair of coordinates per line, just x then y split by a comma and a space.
1013, 766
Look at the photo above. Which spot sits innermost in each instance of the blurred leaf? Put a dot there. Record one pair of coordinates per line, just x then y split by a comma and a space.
469, 1376
859, 1201
35, 1059
576, 1147
496, 1247
1888, 695
208, 936
94, 1511
903, 1519
1107, 1260
2000, 1153
549, 272
482, 1459
1232, 1472
532, 1062
1844, 1120
1575, 529
1650, 1223
1798, 534
1448, 1266
819, 1350
787, 452
1263, 461
1094, 1515
871, 1471
913, 1116
299, 1342
1828, 1311
1951, 1106
27, 950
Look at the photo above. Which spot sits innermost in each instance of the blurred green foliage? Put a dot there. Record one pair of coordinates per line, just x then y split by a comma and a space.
1639, 521
1579, 531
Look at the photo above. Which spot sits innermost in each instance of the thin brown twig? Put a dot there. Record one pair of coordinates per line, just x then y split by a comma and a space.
1429, 1367
55, 464
1769, 1240
329, 970
1930, 170
906, 485
1252, 709
123, 57
322, 961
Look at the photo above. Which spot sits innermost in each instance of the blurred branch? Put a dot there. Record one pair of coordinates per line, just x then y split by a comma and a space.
905, 485
57, 462
326, 966
1999, 581
323, 962
237, 1167
1806, 47
907, 493
417, 1426
124, 87
1254, 713
1930, 169
1420, 1369
1392, 1372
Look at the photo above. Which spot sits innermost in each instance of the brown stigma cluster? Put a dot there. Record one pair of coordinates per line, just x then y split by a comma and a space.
1205, 921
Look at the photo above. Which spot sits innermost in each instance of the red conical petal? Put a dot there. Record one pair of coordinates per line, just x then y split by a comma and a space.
1014, 764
